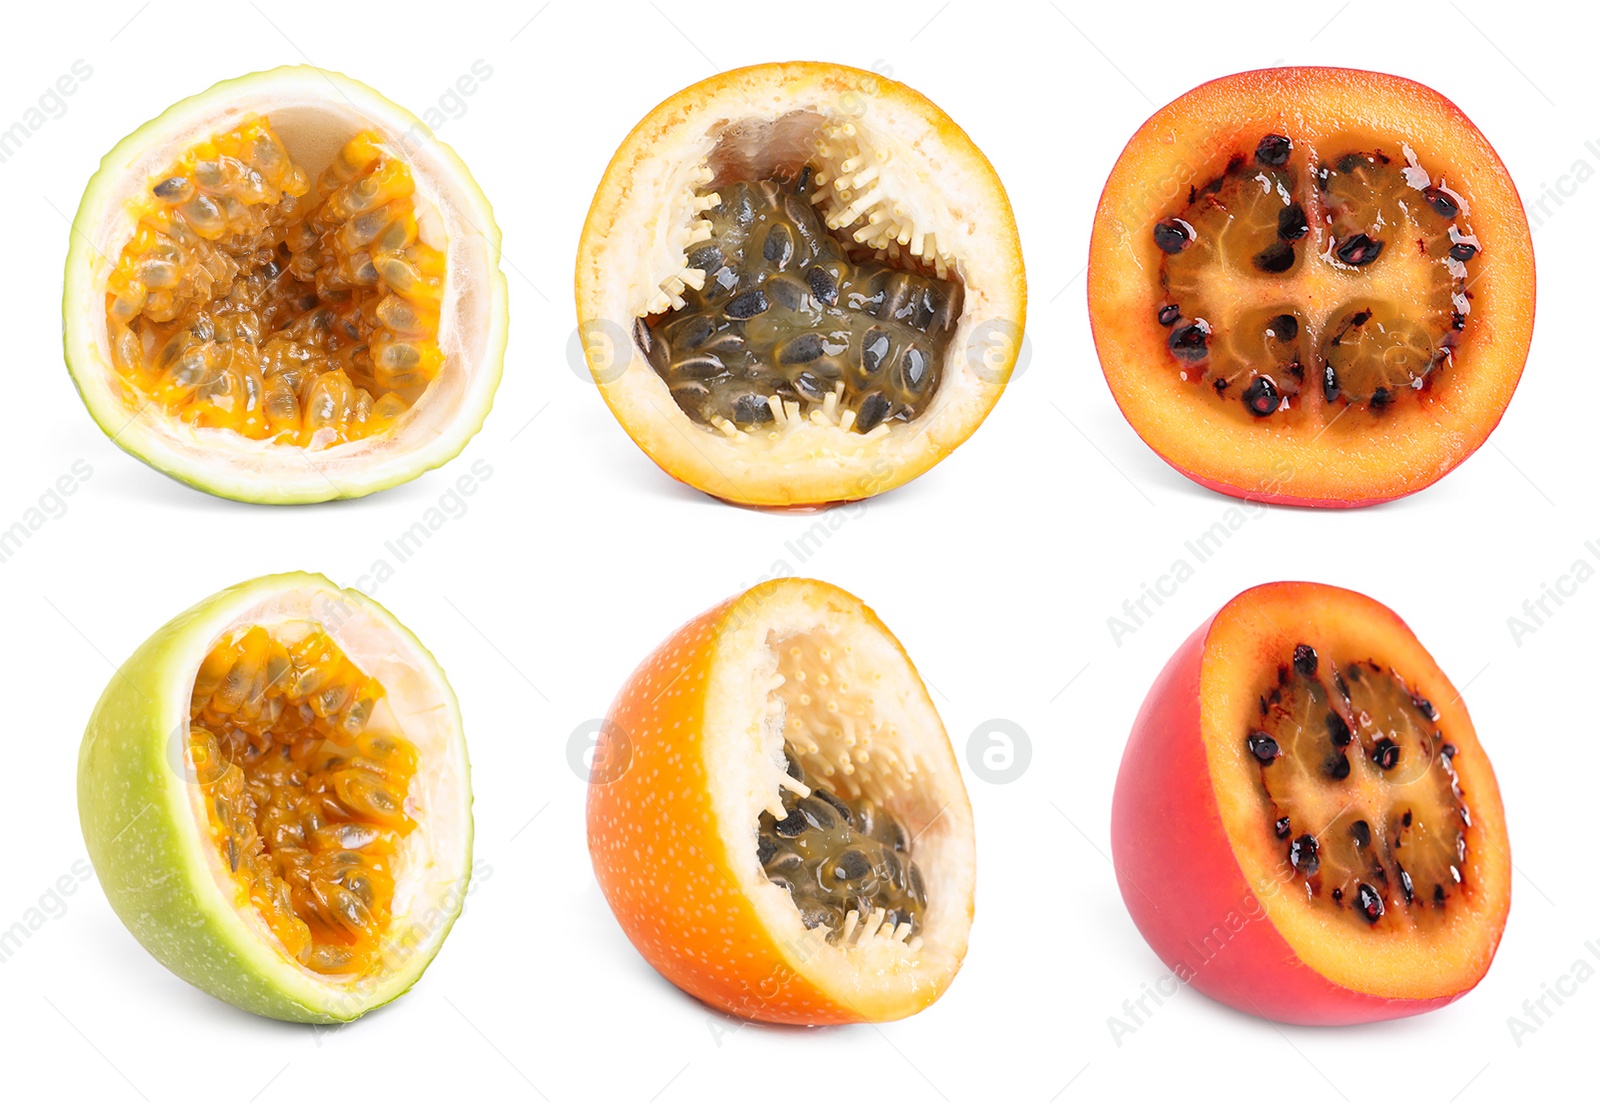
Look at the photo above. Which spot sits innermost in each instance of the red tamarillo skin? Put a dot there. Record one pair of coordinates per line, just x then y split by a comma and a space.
1206, 874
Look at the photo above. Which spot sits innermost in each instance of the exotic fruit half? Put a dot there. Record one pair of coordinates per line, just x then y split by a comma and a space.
799, 284
777, 818
1311, 286
1305, 826
274, 791
285, 289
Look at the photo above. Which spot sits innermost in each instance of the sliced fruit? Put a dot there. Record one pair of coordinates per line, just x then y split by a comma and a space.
274, 791
799, 284
1311, 286
1305, 826
285, 289
776, 816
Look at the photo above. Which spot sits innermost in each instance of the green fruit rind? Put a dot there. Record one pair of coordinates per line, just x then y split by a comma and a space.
340, 472
143, 837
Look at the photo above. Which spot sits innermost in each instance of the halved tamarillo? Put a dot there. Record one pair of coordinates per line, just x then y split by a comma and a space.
1305, 826
1311, 286
776, 816
275, 795
798, 284
284, 289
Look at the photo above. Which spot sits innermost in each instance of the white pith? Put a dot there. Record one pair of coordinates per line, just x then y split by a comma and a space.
891, 180
869, 729
314, 112
433, 864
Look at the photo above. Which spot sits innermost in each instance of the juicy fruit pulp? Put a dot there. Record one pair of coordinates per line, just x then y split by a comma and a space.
1362, 786
785, 325
306, 799
252, 299
846, 865
1305, 281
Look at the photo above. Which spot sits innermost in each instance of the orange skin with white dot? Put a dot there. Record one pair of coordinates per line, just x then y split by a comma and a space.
1200, 870
1365, 460
666, 868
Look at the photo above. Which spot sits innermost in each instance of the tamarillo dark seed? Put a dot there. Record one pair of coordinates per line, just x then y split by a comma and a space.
1280, 827
1386, 753
1361, 832
1292, 224
1168, 314
1463, 251
1284, 327
1338, 767
1370, 902
1263, 747
1303, 854
1189, 342
1305, 660
1261, 397
1275, 258
1273, 150
1358, 250
1173, 235
1441, 201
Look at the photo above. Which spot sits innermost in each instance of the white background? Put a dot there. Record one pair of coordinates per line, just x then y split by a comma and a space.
997, 570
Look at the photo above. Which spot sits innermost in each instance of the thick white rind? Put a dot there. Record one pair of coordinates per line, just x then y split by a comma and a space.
473, 323
142, 820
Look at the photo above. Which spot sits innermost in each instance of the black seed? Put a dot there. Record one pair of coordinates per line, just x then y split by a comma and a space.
1358, 250
823, 285
914, 369
1280, 827
802, 350
1441, 201
1273, 150
1386, 753
766, 847
839, 806
1447, 750
1338, 767
1168, 314
874, 348
791, 763
1425, 707
1330, 388
751, 410
1189, 342
1261, 397
707, 258
914, 885
170, 188
779, 246
746, 304
1405, 820
1219, 385
1463, 251
873, 409
852, 866
1303, 855
1370, 901
1381, 397
1305, 660
1292, 224
1173, 235
1263, 747
791, 826
818, 814
1284, 327
697, 366
810, 387
1361, 832
896, 833
1405, 885
1338, 895
1278, 257
786, 291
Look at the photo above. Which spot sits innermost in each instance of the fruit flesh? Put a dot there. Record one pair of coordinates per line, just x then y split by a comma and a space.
1303, 281
845, 865
786, 323
306, 794
255, 300
1360, 783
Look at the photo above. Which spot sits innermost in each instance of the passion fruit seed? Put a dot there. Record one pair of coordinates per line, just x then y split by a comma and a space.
1356, 817
1251, 221
788, 323
250, 300
306, 802
837, 859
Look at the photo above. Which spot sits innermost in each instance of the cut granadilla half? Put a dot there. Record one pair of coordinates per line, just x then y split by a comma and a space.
1311, 286
285, 289
776, 816
274, 791
1305, 825
799, 284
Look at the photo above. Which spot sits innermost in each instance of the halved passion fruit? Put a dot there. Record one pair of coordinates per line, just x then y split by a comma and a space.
285, 289
799, 284
1311, 286
776, 816
1305, 826
274, 791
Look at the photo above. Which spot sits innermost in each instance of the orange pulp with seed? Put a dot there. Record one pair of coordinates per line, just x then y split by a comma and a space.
306, 801
250, 300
